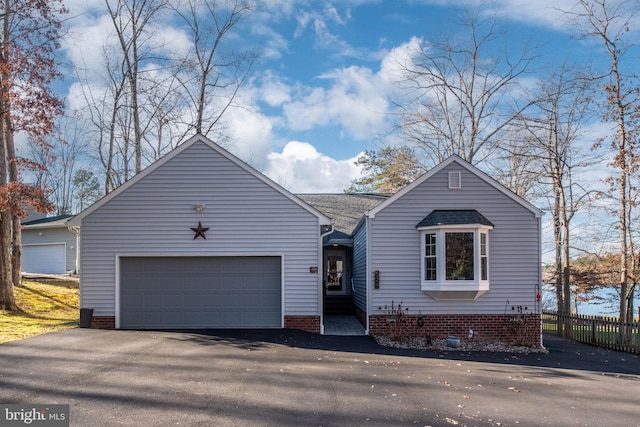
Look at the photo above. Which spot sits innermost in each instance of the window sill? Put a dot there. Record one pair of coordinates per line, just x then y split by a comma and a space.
455, 289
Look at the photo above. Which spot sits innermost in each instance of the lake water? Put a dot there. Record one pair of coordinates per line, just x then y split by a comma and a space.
605, 303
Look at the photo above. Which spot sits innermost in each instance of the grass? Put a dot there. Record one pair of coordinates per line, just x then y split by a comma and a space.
46, 307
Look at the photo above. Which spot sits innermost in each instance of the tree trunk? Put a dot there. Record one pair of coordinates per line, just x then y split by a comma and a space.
16, 228
566, 271
624, 226
7, 300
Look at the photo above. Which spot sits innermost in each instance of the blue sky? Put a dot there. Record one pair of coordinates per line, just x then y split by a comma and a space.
320, 94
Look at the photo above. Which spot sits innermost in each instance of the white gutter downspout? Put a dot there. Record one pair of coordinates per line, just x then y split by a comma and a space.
368, 286
321, 275
76, 231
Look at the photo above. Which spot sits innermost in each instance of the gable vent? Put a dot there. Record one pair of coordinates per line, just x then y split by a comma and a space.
455, 180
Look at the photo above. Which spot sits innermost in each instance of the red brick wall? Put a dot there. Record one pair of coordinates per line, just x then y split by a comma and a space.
305, 323
486, 327
103, 322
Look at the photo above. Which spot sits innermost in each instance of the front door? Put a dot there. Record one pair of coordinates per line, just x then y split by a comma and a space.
335, 272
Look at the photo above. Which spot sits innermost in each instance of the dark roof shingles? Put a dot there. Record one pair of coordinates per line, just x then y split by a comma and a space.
346, 209
454, 217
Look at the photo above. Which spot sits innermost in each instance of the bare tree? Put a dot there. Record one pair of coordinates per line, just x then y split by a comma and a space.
610, 23
131, 21
516, 162
555, 126
213, 73
465, 92
68, 148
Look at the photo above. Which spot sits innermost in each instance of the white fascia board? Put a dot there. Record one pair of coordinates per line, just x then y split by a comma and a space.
62, 223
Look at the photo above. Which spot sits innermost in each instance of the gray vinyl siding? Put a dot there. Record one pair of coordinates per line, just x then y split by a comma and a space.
245, 216
360, 267
514, 247
53, 235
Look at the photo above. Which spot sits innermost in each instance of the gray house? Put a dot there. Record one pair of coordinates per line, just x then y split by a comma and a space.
49, 246
201, 240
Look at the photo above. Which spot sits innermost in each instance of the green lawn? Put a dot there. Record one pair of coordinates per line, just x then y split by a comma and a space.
46, 307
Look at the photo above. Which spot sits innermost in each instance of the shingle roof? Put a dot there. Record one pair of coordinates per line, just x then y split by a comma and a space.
454, 217
47, 220
346, 209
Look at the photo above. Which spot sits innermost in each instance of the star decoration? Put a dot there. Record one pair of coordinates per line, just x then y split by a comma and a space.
200, 230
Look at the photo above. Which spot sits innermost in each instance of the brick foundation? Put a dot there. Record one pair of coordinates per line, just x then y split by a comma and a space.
103, 322
305, 323
486, 327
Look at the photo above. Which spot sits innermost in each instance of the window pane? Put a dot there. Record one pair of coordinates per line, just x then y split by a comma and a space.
430, 244
459, 256
430, 269
483, 256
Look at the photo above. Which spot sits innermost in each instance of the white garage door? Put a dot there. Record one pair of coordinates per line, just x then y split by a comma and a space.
200, 292
49, 258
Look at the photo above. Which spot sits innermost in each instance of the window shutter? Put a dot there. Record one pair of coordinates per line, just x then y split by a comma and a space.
455, 180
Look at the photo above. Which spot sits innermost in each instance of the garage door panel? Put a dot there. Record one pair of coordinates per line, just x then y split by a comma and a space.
49, 258
200, 292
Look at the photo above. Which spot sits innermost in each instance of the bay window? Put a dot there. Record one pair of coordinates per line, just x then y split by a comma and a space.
455, 254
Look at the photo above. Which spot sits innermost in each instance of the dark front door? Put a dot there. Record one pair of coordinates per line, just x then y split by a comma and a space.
336, 278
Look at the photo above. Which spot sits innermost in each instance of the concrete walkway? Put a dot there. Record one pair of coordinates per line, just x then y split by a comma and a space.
344, 325
292, 378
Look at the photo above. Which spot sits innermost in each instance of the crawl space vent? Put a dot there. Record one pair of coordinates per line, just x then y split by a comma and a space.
455, 180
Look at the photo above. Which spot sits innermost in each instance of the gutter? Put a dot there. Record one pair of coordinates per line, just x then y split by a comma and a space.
321, 274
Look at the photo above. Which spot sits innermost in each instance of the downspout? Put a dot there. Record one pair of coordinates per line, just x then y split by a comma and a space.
76, 231
367, 270
321, 274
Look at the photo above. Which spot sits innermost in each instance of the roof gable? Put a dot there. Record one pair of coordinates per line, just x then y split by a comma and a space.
324, 220
470, 168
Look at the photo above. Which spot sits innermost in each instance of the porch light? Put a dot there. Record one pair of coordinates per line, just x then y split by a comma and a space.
199, 207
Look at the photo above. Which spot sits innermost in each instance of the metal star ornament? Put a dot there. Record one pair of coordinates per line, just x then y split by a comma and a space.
200, 230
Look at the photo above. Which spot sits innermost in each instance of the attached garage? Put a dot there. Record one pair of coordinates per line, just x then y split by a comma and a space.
201, 240
200, 292
45, 258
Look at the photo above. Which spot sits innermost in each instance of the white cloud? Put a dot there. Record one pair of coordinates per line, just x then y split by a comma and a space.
300, 168
355, 100
250, 135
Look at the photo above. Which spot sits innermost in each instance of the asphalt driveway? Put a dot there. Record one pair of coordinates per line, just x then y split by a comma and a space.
292, 378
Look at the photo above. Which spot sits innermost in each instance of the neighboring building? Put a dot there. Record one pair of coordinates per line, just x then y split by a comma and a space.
49, 246
201, 240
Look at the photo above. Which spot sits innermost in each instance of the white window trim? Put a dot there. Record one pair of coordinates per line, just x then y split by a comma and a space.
441, 288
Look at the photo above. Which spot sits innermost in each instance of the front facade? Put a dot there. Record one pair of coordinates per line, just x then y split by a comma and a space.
201, 240
459, 252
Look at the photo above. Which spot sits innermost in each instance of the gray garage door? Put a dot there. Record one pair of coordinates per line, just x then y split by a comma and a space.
200, 292
49, 258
